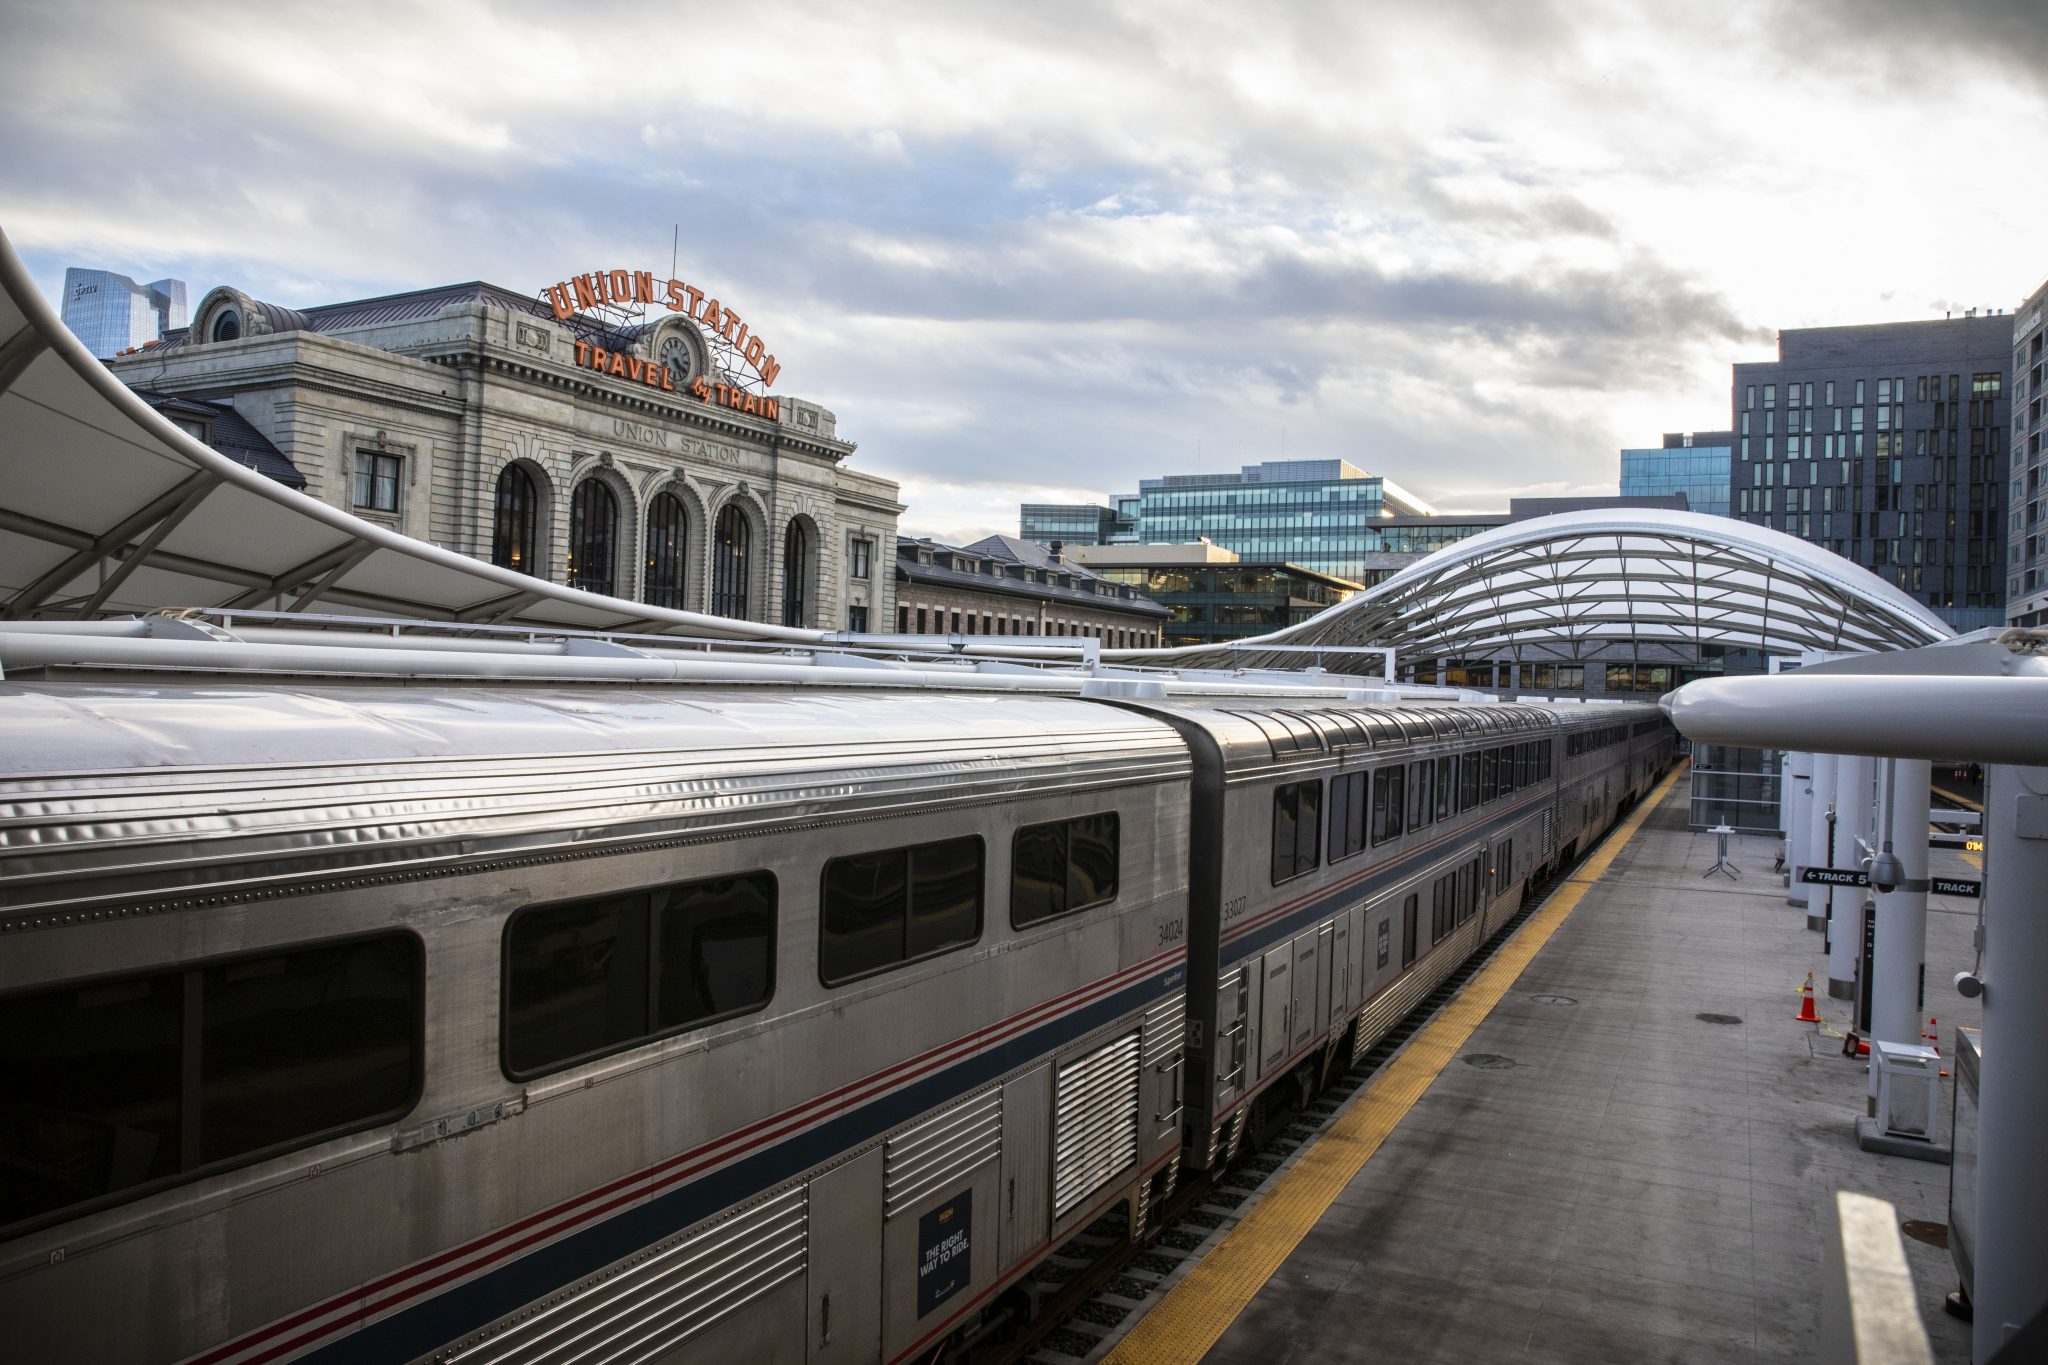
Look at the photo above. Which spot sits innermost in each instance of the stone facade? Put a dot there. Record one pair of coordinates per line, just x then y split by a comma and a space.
456, 384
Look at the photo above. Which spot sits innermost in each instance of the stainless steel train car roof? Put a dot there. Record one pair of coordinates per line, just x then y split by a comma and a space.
122, 798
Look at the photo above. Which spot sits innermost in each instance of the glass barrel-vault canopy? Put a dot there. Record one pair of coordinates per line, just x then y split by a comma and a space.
1573, 585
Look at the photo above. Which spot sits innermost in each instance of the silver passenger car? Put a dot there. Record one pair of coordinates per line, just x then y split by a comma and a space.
366, 1019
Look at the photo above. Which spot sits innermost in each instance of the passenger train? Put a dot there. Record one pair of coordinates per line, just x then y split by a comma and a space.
408, 1017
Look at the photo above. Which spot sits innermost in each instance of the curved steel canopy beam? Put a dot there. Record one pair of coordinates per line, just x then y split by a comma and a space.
109, 509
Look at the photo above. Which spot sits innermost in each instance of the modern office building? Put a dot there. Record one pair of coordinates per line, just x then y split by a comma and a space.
1083, 523
1325, 515
1004, 586
2026, 586
615, 433
111, 313
1212, 595
1887, 445
1695, 463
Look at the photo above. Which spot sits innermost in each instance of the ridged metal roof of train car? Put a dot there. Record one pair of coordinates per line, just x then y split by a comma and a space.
119, 796
1312, 729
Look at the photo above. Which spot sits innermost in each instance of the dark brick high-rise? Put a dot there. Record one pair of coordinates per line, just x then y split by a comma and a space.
1887, 445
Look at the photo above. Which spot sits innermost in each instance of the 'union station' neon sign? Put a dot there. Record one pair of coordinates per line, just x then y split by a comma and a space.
630, 288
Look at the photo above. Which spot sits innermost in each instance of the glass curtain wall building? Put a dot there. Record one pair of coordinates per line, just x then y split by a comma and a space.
1083, 523
1695, 463
1320, 514
111, 313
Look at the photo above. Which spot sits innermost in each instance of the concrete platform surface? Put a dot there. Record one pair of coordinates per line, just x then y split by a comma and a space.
1631, 1158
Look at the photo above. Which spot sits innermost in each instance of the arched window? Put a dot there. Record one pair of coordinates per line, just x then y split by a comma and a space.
666, 540
593, 538
796, 566
227, 326
516, 530
729, 564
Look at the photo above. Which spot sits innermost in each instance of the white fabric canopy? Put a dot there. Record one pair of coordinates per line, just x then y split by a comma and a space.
1575, 585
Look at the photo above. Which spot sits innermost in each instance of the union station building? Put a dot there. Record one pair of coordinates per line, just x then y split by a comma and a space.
614, 432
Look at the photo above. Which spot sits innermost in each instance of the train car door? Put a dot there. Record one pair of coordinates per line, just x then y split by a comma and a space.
845, 1274
1276, 1008
1344, 960
1027, 1110
1310, 976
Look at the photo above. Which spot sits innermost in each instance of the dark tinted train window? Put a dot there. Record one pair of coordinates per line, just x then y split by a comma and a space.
1062, 866
1489, 775
879, 909
1408, 932
594, 976
263, 1022
1446, 788
1297, 829
1386, 804
1347, 814
1421, 794
1468, 782
103, 1096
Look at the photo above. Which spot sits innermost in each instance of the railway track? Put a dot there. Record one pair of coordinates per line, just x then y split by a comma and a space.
1102, 1280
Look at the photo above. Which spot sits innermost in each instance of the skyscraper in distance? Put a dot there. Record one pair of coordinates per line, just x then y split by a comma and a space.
111, 312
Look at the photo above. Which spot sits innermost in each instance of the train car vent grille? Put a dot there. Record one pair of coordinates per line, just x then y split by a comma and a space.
933, 1156
642, 1308
1165, 1026
1095, 1120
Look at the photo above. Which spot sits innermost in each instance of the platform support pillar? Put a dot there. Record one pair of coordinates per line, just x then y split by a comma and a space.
1900, 959
1795, 817
2012, 1207
1852, 821
1819, 803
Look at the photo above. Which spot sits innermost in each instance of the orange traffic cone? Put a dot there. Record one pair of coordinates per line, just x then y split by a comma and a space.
1932, 1033
1807, 1014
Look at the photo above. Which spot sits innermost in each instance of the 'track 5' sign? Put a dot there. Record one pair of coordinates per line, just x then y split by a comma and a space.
627, 288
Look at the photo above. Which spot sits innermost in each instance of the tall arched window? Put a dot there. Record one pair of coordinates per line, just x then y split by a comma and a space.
515, 532
796, 571
729, 564
593, 538
666, 541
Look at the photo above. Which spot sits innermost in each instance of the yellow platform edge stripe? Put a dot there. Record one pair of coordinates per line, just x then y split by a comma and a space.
1198, 1310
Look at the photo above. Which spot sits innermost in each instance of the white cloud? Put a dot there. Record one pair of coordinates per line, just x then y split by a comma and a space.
1476, 247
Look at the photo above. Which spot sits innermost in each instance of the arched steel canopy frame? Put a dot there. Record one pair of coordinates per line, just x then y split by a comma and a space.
107, 508
1584, 585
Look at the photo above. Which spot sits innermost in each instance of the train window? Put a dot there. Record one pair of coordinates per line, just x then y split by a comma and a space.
1297, 829
1489, 775
1503, 866
587, 977
1441, 908
880, 909
120, 1086
1347, 814
1421, 794
1446, 788
1408, 932
1061, 867
1386, 804
1468, 782
1543, 760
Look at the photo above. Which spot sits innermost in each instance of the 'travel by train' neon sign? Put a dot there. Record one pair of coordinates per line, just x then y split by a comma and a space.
631, 288
656, 375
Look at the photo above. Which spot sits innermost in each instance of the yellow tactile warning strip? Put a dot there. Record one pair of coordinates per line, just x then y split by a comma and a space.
1190, 1319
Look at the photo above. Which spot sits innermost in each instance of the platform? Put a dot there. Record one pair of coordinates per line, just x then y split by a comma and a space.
1628, 1158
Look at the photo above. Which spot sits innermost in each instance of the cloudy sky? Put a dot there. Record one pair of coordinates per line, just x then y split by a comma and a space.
1038, 252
